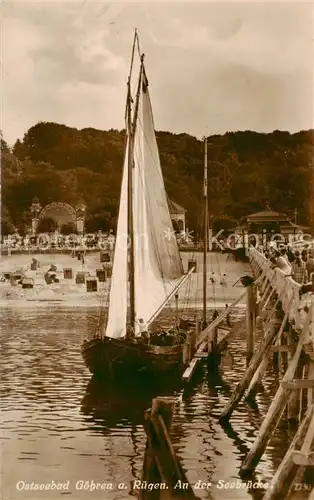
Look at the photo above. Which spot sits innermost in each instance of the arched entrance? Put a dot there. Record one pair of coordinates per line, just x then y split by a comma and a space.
62, 213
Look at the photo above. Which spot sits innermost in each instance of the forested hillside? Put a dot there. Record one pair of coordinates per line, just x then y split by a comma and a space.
246, 171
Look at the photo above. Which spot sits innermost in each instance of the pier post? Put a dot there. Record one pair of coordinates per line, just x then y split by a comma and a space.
278, 349
160, 462
212, 343
150, 471
189, 345
295, 399
185, 353
285, 475
187, 349
250, 321
276, 409
285, 356
194, 336
310, 392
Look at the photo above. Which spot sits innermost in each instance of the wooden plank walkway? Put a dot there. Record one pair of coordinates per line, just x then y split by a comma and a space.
223, 336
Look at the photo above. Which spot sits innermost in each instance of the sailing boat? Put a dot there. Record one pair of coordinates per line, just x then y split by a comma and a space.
147, 267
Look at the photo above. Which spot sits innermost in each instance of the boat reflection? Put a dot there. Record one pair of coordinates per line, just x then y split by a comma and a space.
116, 403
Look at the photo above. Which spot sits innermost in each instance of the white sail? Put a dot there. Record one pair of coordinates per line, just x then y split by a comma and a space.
118, 300
157, 264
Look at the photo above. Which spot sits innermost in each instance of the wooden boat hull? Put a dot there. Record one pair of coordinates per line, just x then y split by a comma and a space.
110, 357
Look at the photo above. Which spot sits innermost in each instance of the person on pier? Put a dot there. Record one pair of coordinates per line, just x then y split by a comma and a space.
310, 262
290, 254
304, 253
284, 253
308, 287
130, 334
143, 330
281, 262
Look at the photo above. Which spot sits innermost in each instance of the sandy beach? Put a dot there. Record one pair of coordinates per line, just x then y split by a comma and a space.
222, 268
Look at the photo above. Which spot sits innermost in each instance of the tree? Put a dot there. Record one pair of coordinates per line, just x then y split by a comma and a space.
225, 223
68, 228
47, 225
4, 146
7, 226
60, 163
99, 221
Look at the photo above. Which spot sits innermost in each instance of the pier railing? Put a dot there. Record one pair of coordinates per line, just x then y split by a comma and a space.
287, 320
286, 288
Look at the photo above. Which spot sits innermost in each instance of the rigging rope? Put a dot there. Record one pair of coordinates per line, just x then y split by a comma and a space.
222, 279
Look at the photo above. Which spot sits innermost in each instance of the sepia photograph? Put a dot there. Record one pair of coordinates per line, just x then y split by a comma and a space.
157, 250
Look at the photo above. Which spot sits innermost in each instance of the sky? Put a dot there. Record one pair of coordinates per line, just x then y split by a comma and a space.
212, 67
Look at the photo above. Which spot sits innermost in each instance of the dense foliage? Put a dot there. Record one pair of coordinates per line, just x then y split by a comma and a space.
246, 171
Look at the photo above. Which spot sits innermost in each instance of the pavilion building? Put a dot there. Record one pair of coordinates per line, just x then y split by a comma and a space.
269, 223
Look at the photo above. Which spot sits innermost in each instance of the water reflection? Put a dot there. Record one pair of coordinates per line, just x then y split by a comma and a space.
124, 403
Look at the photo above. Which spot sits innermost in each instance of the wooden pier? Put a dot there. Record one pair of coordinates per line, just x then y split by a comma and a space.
276, 304
287, 318
210, 342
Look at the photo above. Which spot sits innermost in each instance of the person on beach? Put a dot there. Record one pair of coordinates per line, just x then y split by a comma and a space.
223, 281
51, 275
215, 315
212, 278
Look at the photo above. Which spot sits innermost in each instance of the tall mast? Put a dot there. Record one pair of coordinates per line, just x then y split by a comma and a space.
131, 132
205, 233
130, 208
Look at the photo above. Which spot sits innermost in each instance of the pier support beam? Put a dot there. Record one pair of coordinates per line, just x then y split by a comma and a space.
310, 392
293, 409
285, 475
160, 462
257, 377
189, 345
275, 411
247, 377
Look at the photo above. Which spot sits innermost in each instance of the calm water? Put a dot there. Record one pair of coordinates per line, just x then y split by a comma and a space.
59, 426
